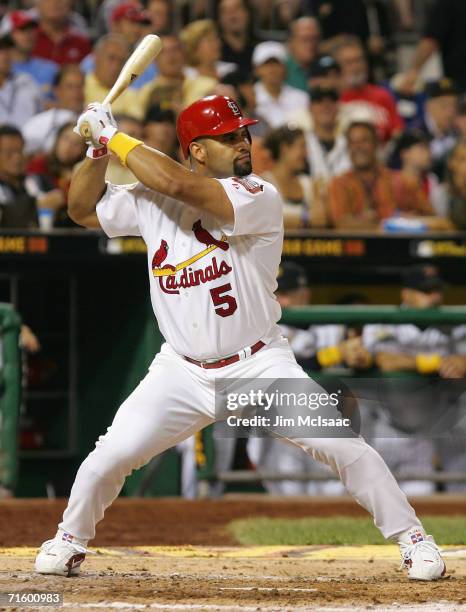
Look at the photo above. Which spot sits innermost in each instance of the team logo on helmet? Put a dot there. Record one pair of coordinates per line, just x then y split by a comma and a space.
234, 108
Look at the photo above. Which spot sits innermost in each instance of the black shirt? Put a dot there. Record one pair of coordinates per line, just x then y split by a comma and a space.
17, 207
447, 25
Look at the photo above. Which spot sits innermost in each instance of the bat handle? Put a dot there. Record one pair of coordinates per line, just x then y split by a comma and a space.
85, 130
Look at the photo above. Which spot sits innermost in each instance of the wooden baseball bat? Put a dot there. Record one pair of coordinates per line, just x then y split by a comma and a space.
146, 51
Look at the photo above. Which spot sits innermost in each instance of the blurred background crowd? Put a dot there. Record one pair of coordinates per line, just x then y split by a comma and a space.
362, 102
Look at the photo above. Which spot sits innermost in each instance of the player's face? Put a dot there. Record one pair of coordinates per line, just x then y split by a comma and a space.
229, 154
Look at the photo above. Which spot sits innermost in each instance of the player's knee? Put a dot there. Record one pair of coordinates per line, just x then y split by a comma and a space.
119, 462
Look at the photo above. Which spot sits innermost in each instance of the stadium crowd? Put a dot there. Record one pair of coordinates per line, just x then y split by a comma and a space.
354, 132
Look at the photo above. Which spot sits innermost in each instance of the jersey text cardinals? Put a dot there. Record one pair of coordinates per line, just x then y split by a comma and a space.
212, 287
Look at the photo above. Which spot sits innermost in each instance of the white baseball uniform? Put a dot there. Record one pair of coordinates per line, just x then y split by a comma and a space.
212, 290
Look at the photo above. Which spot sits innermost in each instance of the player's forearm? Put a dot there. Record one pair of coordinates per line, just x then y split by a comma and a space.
161, 173
86, 189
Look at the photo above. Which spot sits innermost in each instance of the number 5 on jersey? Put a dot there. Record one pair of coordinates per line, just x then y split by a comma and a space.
226, 303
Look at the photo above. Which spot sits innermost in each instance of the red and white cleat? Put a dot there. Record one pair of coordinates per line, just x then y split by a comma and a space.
60, 556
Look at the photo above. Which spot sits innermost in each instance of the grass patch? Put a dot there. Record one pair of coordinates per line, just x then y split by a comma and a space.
335, 530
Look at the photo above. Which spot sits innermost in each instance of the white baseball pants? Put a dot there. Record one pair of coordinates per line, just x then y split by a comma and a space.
176, 399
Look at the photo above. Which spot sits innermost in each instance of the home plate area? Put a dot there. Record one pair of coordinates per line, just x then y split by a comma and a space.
165, 554
242, 578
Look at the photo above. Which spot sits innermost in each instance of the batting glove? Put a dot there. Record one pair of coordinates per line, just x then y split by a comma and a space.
102, 125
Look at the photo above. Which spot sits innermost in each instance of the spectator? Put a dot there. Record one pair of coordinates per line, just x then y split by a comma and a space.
439, 121
460, 121
235, 23
24, 32
159, 13
57, 40
303, 44
111, 53
303, 205
365, 19
444, 32
41, 130
361, 99
427, 351
20, 97
17, 205
415, 160
202, 47
370, 192
49, 176
453, 204
127, 21
275, 100
324, 72
171, 88
327, 149
160, 131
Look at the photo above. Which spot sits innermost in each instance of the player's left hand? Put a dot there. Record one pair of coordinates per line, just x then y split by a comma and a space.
101, 122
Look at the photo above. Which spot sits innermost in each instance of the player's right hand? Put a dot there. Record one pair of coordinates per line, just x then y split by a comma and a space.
101, 122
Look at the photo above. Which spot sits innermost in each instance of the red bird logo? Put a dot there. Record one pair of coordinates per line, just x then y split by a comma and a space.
160, 255
206, 238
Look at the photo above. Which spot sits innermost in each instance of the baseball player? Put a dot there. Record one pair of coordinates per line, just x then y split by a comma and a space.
214, 240
407, 438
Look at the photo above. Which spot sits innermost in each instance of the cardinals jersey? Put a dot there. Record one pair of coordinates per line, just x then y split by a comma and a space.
212, 286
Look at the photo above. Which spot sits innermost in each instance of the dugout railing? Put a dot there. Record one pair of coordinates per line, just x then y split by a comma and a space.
10, 394
306, 316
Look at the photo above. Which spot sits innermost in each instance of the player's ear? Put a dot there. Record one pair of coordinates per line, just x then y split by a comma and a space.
198, 152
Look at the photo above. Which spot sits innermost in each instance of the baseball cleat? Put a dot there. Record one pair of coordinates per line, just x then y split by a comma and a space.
420, 556
60, 556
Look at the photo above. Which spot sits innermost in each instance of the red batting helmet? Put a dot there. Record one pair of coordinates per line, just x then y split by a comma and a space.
210, 116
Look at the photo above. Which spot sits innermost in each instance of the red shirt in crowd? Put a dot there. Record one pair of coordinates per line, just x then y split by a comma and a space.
71, 49
372, 101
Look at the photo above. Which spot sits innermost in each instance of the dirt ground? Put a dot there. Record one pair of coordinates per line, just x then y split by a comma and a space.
175, 555
175, 521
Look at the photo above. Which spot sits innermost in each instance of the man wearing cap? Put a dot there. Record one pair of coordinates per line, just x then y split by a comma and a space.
326, 146
324, 72
410, 414
23, 31
275, 100
303, 43
127, 20
438, 124
20, 96
214, 236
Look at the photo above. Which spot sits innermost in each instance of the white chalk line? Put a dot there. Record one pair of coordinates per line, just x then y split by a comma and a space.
121, 605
